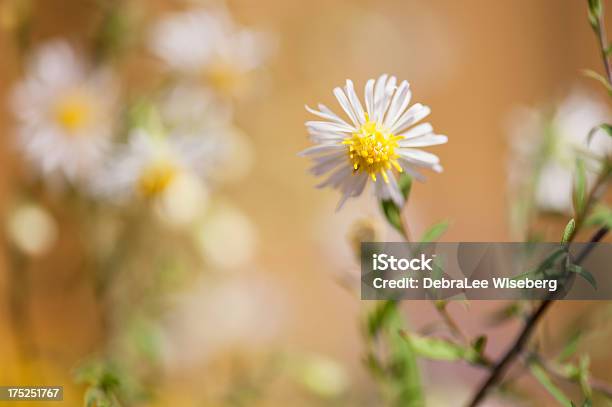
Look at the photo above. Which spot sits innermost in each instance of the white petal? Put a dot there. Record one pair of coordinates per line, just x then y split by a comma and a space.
321, 149
415, 113
389, 91
346, 105
379, 94
329, 115
327, 163
418, 155
418, 131
325, 137
424, 141
337, 177
329, 126
352, 187
355, 103
400, 101
369, 97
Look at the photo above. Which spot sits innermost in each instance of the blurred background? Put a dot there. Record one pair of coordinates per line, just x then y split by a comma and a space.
242, 293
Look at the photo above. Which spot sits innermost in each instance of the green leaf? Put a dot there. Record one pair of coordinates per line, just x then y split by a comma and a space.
380, 316
580, 187
595, 13
574, 268
434, 232
594, 75
405, 185
479, 344
608, 50
440, 349
546, 264
570, 347
393, 214
398, 370
600, 216
540, 374
587, 403
604, 126
569, 231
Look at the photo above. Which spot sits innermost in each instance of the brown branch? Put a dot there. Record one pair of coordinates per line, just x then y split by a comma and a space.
519, 344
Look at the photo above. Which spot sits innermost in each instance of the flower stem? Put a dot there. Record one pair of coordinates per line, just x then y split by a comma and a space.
517, 347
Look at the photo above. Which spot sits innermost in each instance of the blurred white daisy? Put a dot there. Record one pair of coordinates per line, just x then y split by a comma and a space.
150, 167
208, 45
64, 112
546, 148
375, 144
194, 110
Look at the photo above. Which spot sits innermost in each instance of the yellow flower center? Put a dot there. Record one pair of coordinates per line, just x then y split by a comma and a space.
156, 177
226, 78
73, 111
372, 150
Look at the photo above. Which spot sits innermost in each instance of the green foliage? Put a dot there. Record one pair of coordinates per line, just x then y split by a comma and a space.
392, 212
398, 371
604, 126
580, 188
600, 216
441, 349
595, 13
435, 232
103, 383
574, 268
569, 231
547, 264
570, 347
540, 374
380, 317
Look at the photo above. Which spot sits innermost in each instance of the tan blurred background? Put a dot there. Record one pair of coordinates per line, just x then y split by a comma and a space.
472, 62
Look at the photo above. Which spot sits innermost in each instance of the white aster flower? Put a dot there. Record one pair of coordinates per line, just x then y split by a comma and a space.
64, 112
208, 45
149, 166
549, 146
375, 144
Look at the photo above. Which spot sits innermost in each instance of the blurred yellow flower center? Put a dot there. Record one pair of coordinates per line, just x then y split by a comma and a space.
373, 151
226, 78
73, 111
156, 177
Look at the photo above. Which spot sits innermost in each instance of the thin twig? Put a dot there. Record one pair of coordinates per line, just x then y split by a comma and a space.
603, 45
519, 344
598, 385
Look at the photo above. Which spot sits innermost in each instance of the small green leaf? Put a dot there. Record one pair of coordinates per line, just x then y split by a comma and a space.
393, 214
600, 216
604, 126
569, 231
405, 185
580, 187
479, 344
583, 376
434, 232
594, 75
440, 349
595, 13
540, 374
570, 347
379, 317
587, 403
608, 50
574, 268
